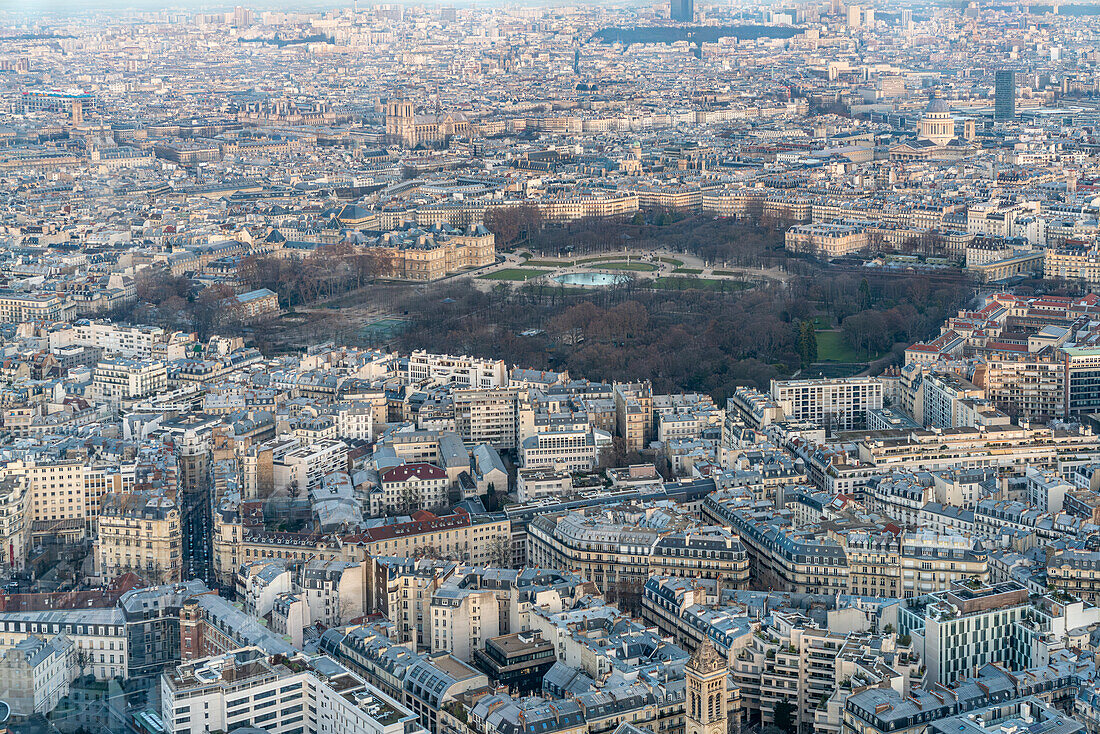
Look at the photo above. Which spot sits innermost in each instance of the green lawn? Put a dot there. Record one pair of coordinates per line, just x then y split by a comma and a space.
727, 272
831, 347
671, 261
688, 271
673, 283
638, 266
513, 274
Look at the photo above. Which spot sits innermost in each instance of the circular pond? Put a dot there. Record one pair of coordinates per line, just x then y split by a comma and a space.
590, 278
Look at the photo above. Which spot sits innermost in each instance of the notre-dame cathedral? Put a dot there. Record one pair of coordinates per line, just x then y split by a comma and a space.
408, 129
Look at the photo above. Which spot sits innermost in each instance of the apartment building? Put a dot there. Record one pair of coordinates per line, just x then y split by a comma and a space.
839, 404
414, 486
401, 588
305, 466
35, 674
119, 379
618, 548
688, 423
732, 203
572, 208
944, 397
533, 484
911, 564
424, 683
17, 308
259, 582
1027, 386
441, 448
1004, 446
1046, 490
120, 340
429, 600
992, 516
958, 631
563, 450
634, 414
458, 537
781, 557
139, 532
877, 710
756, 409
211, 625
355, 421
98, 637
459, 372
710, 553
65, 495
15, 521
835, 555
248, 688
1079, 263
794, 659
1075, 571
334, 590
488, 416
463, 620
290, 617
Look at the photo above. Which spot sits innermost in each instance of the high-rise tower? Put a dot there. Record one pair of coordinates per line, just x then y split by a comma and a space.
682, 10
1004, 105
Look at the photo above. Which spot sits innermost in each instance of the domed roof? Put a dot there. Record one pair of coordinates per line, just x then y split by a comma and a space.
937, 106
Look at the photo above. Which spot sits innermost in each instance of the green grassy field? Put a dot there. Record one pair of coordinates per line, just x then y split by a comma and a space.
688, 271
636, 266
673, 283
671, 261
831, 347
513, 274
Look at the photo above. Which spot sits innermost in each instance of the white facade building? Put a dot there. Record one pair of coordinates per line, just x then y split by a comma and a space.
458, 371
838, 404
244, 688
565, 450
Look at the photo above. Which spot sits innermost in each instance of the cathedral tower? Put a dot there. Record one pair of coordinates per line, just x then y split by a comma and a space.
400, 122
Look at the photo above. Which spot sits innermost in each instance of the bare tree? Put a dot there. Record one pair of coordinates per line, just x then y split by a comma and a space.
625, 592
499, 552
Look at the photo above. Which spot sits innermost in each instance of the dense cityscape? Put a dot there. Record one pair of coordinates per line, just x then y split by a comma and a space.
675, 368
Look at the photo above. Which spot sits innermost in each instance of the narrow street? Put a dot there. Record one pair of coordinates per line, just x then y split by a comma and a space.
197, 539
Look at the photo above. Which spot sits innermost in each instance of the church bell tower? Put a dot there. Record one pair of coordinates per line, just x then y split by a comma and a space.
706, 675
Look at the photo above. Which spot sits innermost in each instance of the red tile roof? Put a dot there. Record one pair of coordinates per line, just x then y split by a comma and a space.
421, 471
423, 522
